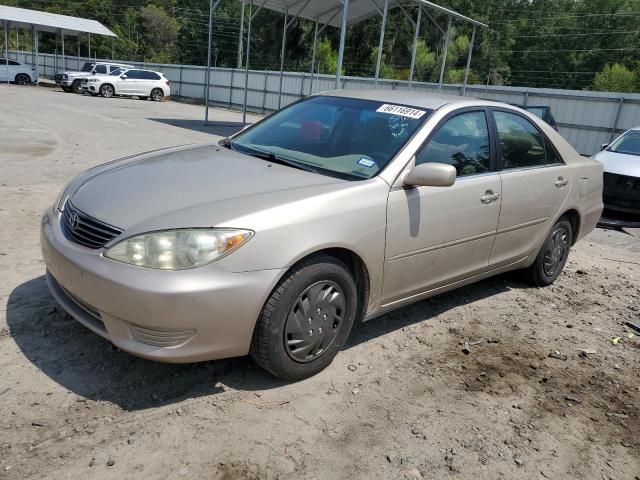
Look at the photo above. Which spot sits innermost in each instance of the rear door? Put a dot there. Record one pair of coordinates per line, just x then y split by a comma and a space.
148, 80
535, 186
127, 82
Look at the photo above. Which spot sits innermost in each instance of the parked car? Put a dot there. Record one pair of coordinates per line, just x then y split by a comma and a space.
621, 162
335, 209
70, 81
18, 72
129, 82
541, 111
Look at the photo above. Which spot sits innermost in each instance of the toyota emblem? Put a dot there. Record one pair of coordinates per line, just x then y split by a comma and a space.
74, 221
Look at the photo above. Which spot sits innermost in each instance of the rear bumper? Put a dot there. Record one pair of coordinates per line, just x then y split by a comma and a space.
185, 316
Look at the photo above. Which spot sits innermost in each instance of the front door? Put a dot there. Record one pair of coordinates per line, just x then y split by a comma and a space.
438, 235
535, 185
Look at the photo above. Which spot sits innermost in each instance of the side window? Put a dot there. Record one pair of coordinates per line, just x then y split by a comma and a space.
521, 144
102, 69
11, 62
552, 156
133, 74
463, 141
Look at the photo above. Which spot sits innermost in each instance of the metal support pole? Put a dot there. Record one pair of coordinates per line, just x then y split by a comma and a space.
78, 57
615, 120
246, 66
343, 34
444, 54
282, 53
113, 48
240, 35
466, 72
64, 59
89, 46
5, 27
313, 57
381, 43
415, 46
212, 7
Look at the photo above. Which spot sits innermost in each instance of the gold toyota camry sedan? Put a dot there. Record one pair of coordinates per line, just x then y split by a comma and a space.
333, 210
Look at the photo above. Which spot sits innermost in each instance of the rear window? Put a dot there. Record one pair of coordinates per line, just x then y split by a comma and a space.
149, 75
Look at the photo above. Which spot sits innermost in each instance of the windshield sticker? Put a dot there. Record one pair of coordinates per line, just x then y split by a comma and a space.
402, 111
366, 162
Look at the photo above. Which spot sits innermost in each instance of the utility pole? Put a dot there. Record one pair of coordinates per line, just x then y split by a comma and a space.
240, 37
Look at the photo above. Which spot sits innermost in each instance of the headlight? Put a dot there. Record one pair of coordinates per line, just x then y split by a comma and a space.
178, 249
65, 77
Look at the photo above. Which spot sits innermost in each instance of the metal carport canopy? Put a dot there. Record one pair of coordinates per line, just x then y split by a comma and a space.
38, 21
341, 13
327, 12
52, 22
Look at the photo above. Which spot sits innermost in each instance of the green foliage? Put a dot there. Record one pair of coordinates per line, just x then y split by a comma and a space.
617, 78
425, 62
326, 58
159, 32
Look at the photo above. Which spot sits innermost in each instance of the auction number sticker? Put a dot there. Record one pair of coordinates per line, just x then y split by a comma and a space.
401, 111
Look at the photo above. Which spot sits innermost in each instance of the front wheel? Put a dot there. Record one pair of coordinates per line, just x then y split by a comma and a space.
107, 90
306, 320
552, 256
157, 94
75, 86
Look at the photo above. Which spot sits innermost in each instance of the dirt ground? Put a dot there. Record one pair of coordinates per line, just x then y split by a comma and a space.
401, 401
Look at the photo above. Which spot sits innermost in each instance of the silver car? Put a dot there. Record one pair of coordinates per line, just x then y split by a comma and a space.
333, 210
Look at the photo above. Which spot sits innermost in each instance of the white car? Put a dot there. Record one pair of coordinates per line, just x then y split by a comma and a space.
621, 162
18, 72
133, 82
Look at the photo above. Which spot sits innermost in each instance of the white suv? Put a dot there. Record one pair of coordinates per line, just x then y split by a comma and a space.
130, 82
18, 72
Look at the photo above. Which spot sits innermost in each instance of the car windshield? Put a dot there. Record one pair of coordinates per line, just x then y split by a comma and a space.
629, 143
537, 111
87, 67
344, 137
118, 71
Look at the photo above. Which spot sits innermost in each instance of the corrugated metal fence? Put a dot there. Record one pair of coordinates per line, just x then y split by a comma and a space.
586, 119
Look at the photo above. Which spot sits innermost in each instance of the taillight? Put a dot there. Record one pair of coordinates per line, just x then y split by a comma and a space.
168, 83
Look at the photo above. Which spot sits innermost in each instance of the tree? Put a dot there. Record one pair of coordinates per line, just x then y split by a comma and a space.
327, 57
616, 78
159, 32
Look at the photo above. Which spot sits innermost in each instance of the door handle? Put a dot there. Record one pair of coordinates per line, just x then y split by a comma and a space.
561, 182
489, 197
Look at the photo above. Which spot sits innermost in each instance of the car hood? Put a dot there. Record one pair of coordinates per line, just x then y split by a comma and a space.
620, 163
76, 74
196, 186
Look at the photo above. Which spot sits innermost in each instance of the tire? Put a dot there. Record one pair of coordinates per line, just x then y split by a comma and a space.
107, 90
552, 256
317, 296
75, 86
67, 89
157, 94
23, 79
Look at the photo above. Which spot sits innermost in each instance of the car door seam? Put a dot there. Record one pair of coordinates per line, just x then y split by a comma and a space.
433, 248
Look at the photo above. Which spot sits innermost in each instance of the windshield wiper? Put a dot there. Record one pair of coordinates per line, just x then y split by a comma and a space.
272, 157
225, 142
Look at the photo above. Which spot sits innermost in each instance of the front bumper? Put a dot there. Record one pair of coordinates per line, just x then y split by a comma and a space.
621, 196
184, 316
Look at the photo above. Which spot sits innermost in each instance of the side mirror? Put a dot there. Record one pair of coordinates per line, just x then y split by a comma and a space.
604, 146
123, 76
431, 175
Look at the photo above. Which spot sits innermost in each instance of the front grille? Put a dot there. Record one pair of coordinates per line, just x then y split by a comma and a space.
85, 230
58, 77
160, 338
621, 192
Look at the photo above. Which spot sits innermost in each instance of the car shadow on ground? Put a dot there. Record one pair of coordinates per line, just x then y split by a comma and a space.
91, 367
222, 129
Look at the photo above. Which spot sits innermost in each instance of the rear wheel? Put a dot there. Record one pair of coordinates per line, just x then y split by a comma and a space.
157, 94
306, 320
23, 79
552, 256
67, 89
75, 86
107, 90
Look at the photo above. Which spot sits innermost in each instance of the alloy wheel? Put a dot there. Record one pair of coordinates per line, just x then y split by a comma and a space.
157, 95
23, 79
557, 251
314, 321
107, 91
